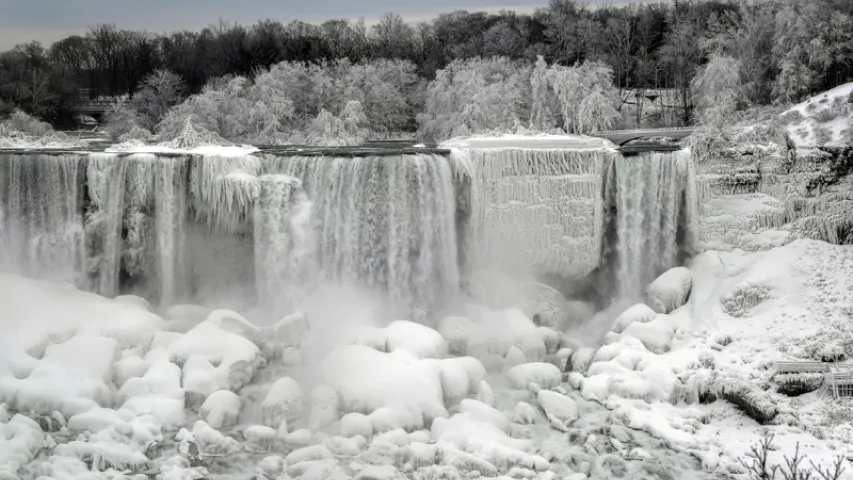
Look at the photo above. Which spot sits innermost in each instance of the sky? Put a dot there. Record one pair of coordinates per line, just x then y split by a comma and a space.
51, 20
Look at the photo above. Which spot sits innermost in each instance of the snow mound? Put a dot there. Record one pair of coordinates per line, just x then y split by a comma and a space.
825, 119
420, 341
367, 379
670, 290
284, 402
639, 313
488, 336
236, 358
221, 409
545, 375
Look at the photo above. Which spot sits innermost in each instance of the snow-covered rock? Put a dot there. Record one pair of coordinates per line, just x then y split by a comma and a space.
367, 379
639, 313
419, 340
284, 401
221, 409
670, 290
543, 374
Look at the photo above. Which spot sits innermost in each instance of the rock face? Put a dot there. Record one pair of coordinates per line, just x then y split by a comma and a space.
756, 199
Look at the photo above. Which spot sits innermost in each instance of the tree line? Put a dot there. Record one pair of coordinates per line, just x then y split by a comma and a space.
782, 50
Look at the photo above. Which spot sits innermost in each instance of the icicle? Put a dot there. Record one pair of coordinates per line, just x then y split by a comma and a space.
224, 190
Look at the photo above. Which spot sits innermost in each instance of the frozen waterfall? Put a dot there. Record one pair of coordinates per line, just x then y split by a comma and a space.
266, 229
654, 223
384, 222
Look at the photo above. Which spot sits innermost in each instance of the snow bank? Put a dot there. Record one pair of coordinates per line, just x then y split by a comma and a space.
490, 335
236, 357
670, 290
48, 308
822, 120
367, 379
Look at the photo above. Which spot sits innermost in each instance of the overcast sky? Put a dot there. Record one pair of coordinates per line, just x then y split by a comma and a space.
51, 20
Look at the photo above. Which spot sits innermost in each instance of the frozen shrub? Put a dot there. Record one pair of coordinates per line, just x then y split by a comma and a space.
739, 302
794, 116
796, 384
21, 122
757, 464
825, 116
328, 130
121, 119
823, 135
192, 136
135, 134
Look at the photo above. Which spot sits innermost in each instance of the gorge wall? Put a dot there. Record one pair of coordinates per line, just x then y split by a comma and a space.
756, 199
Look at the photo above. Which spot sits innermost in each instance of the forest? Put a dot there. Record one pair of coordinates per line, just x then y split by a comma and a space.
395, 77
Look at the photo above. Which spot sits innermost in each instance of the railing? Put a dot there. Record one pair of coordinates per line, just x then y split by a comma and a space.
837, 378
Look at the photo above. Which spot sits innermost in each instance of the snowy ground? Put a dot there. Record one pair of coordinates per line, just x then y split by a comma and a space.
823, 120
99, 388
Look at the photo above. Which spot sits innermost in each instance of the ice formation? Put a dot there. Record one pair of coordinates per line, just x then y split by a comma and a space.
93, 387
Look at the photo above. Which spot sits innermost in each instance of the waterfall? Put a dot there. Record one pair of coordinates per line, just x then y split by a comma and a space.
268, 228
42, 229
652, 193
171, 219
285, 263
384, 222
107, 184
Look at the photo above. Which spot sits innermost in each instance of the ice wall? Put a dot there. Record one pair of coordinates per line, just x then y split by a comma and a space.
535, 212
177, 228
581, 216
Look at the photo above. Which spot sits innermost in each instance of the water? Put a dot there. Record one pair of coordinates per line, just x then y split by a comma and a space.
265, 230
649, 197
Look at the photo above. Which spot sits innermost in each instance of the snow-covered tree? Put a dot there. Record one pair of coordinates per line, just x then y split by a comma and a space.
123, 118
327, 130
716, 89
160, 91
542, 98
596, 112
476, 96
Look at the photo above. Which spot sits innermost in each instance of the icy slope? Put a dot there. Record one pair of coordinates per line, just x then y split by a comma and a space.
679, 376
823, 120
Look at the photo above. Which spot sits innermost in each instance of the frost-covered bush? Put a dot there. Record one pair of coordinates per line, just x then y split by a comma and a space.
20, 121
121, 119
330, 131
473, 96
21, 130
741, 300
795, 384
285, 104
